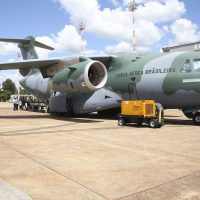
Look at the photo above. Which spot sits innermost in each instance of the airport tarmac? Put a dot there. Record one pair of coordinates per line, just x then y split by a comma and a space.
43, 157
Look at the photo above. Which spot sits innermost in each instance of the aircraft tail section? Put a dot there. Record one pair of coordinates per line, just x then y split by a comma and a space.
27, 46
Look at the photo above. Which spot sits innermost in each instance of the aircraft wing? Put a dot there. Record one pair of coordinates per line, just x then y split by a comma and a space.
46, 63
49, 67
28, 64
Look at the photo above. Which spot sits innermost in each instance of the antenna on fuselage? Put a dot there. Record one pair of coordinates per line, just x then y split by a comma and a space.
132, 8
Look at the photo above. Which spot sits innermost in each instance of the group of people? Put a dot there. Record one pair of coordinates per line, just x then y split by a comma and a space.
21, 103
28, 103
18, 104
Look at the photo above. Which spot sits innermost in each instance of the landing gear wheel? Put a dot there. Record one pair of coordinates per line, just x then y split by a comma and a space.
153, 123
121, 122
196, 119
188, 115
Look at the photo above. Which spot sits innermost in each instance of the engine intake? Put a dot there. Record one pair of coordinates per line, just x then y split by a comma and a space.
85, 76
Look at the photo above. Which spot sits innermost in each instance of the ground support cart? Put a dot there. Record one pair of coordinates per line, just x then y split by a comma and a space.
141, 111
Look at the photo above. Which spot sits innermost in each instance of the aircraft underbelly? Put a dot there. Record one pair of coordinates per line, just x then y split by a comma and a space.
84, 103
100, 100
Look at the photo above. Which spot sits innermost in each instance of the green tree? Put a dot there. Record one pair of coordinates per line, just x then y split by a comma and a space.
24, 91
9, 85
5, 95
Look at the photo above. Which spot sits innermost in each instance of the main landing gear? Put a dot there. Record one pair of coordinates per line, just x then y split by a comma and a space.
193, 114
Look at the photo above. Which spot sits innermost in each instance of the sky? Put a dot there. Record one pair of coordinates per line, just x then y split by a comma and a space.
159, 23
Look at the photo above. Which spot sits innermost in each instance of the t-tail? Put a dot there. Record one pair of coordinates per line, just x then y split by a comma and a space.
27, 46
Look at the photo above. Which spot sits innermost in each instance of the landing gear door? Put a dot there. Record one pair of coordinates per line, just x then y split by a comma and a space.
132, 91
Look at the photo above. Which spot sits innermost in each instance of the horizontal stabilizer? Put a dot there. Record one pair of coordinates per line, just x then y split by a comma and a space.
26, 42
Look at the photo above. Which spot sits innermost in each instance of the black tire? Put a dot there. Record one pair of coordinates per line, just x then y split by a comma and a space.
196, 119
121, 121
189, 115
153, 123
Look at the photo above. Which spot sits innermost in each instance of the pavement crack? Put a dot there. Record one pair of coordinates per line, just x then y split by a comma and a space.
157, 186
53, 170
35, 129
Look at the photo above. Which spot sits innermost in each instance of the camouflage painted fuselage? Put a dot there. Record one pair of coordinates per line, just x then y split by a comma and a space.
155, 76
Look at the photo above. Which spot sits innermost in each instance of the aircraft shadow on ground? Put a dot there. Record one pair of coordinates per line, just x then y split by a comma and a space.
179, 122
78, 119
93, 118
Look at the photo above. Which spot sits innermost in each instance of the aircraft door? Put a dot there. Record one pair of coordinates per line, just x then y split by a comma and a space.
132, 91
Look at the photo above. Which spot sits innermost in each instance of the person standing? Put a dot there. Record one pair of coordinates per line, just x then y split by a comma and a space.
20, 105
15, 104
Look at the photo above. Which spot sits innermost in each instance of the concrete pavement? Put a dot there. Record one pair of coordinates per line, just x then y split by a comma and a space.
48, 157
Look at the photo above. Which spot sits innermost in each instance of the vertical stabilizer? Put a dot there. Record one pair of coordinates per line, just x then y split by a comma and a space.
28, 48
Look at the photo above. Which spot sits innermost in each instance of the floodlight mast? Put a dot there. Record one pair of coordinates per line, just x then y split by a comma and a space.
81, 29
132, 7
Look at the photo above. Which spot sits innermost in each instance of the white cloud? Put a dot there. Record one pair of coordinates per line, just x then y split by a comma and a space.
124, 47
68, 39
147, 33
184, 31
161, 11
8, 49
43, 53
14, 77
120, 47
116, 23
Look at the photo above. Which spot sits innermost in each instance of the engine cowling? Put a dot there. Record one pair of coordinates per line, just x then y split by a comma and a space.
84, 77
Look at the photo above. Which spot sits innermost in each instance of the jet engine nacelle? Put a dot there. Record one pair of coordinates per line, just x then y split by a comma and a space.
83, 77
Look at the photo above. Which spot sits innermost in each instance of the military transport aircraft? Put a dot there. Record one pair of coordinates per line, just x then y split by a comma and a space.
99, 83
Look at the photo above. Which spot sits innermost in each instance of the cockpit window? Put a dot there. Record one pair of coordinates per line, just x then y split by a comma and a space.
186, 67
196, 63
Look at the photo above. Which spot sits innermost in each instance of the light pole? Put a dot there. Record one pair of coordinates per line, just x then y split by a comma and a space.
132, 7
81, 29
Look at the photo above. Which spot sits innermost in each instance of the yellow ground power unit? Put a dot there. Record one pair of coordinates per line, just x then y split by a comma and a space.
144, 108
141, 111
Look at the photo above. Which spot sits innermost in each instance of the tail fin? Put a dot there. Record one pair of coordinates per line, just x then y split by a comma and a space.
27, 46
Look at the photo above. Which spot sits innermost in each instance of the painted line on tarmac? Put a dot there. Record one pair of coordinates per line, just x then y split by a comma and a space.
9, 192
